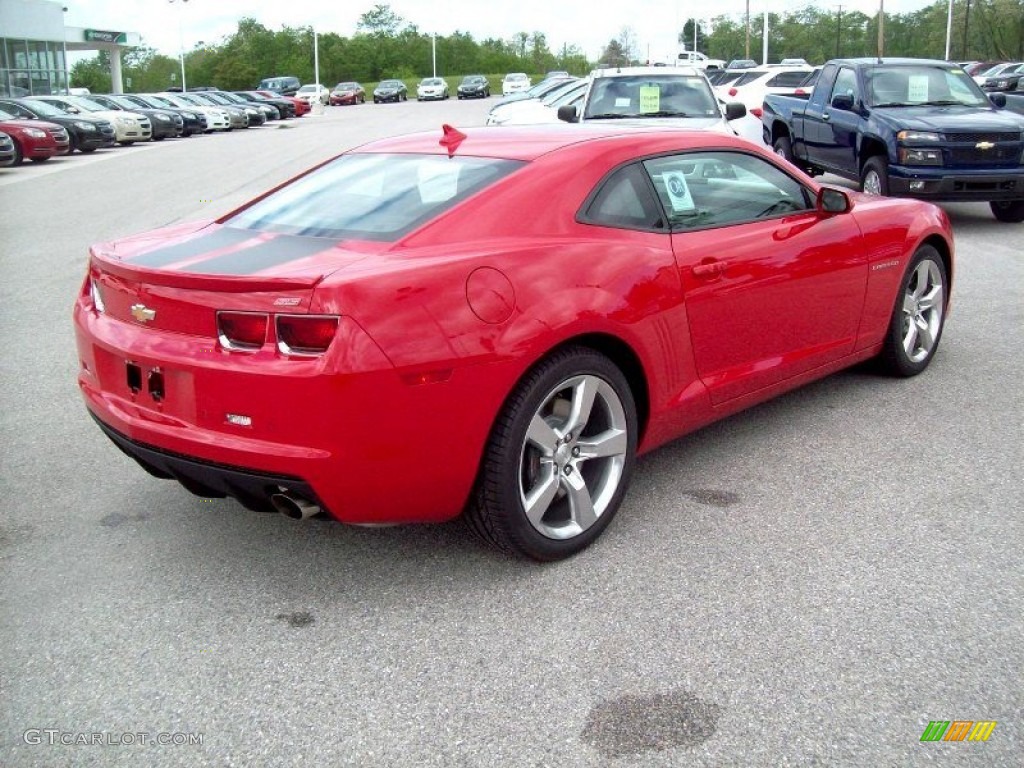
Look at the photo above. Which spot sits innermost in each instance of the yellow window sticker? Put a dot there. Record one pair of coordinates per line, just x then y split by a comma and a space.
678, 191
650, 99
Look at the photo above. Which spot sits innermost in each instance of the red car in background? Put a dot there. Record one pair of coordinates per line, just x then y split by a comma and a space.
301, 107
348, 93
495, 322
35, 140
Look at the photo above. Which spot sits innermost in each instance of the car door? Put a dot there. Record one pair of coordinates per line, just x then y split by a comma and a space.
815, 131
839, 148
773, 288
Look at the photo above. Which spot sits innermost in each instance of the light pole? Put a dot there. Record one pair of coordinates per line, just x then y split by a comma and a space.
881, 28
181, 44
839, 28
949, 27
64, 44
433, 53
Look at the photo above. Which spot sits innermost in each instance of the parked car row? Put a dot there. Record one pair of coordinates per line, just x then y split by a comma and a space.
40, 127
395, 90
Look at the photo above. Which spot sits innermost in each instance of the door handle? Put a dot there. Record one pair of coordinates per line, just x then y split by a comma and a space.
826, 116
709, 269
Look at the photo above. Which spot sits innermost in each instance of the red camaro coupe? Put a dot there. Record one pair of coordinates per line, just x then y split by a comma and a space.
496, 323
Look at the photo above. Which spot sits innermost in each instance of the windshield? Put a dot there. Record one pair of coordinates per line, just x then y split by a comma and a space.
390, 84
42, 108
433, 81
4, 115
912, 86
372, 196
516, 77
472, 80
87, 104
668, 95
345, 87
567, 90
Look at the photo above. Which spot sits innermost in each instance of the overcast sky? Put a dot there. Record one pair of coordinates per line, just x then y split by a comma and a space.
585, 23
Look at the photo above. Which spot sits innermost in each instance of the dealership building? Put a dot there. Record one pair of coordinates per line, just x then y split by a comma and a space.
34, 45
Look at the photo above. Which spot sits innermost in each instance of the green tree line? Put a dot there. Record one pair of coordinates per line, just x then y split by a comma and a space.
385, 45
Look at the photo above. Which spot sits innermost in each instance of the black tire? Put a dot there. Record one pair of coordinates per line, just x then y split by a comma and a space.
86, 150
924, 319
1010, 211
783, 147
875, 171
40, 159
514, 465
19, 155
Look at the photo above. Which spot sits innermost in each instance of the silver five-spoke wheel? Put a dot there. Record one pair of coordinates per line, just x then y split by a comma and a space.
573, 457
559, 458
918, 316
923, 302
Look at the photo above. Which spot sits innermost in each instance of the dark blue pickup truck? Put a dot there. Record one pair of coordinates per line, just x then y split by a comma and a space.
905, 127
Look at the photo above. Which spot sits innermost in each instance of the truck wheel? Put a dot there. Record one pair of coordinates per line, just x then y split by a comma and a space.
874, 179
1011, 211
783, 148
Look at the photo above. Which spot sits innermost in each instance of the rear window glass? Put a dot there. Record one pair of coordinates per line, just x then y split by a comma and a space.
372, 196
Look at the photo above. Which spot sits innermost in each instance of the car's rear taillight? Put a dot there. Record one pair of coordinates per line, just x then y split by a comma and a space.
756, 111
96, 296
799, 92
733, 91
307, 335
245, 331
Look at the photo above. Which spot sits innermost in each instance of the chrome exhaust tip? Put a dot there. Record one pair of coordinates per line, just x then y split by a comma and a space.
294, 507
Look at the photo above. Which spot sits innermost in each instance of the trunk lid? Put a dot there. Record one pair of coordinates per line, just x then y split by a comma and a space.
177, 279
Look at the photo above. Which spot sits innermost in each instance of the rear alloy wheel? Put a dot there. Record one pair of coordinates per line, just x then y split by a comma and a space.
874, 179
559, 459
918, 317
1010, 211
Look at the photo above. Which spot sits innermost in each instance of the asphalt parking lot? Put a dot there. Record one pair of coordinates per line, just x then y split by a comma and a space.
809, 583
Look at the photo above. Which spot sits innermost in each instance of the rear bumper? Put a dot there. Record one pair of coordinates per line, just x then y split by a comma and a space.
362, 443
940, 184
208, 479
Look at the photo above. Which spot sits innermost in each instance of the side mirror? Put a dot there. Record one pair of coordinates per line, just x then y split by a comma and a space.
567, 113
832, 200
998, 99
735, 110
843, 101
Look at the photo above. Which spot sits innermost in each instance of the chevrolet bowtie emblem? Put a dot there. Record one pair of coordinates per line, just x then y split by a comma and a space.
984, 145
142, 313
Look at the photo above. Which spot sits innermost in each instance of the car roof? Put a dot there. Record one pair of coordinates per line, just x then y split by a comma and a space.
655, 71
896, 61
529, 142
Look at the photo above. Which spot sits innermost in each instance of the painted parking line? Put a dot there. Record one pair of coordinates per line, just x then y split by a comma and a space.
29, 170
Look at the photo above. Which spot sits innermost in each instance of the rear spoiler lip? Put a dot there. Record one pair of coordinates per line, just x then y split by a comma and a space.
223, 283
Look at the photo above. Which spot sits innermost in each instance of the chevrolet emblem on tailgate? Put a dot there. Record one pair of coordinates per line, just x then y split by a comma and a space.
142, 313
984, 145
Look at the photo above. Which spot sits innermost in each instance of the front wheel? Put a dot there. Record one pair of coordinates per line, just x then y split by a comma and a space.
1010, 211
559, 458
918, 316
874, 179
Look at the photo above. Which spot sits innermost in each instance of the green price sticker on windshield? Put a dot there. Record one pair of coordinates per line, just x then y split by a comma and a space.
650, 98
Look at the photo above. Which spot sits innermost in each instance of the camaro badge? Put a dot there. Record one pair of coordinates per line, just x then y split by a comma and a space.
142, 313
984, 145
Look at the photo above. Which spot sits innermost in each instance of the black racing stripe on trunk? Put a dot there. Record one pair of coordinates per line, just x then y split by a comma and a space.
221, 238
272, 253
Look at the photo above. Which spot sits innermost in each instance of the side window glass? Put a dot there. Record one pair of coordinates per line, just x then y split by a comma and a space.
624, 200
713, 189
846, 85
